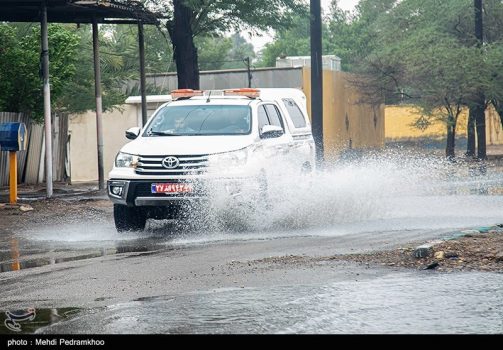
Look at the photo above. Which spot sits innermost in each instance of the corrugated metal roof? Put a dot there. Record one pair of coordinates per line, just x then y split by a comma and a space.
76, 11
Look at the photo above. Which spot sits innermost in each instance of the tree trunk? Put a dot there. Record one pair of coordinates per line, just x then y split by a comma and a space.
480, 120
470, 133
480, 103
184, 50
451, 138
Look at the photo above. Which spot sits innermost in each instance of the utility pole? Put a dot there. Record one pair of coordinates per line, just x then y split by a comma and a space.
143, 79
248, 69
317, 81
47, 101
99, 106
480, 103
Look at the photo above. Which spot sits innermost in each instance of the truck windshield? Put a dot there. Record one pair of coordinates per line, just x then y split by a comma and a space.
201, 120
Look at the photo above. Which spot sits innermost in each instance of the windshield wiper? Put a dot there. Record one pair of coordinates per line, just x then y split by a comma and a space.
164, 133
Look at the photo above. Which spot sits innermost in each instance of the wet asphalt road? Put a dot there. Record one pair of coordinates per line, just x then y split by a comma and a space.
83, 277
160, 285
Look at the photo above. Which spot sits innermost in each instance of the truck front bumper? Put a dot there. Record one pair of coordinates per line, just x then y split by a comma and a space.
138, 192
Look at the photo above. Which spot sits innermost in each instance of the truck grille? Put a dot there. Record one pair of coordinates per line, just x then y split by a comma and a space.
188, 165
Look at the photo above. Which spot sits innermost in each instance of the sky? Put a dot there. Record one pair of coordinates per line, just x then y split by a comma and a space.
259, 42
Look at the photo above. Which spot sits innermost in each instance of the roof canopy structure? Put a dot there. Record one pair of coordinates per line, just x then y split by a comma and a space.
79, 11
76, 11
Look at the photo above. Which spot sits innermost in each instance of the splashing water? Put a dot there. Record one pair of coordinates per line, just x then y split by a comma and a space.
385, 191
392, 191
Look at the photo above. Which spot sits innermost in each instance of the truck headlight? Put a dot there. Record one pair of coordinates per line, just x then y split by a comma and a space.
229, 159
126, 160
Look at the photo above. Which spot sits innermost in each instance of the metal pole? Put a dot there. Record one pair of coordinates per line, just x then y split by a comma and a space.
12, 177
47, 101
480, 116
141, 44
99, 105
316, 80
248, 69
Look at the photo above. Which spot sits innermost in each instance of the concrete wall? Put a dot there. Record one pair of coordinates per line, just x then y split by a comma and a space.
400, 125
346, 123
235, 78
83, 142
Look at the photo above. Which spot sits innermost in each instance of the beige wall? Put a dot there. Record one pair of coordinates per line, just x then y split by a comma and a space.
83, 144
345, 121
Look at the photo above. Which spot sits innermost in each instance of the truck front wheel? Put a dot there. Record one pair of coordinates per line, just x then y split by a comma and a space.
129, 218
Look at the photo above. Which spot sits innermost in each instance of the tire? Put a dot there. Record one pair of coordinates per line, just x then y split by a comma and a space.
129, 218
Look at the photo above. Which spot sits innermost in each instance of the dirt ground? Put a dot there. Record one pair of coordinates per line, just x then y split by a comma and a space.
49, 211
481, 251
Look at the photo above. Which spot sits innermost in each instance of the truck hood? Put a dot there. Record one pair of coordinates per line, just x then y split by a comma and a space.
186, 145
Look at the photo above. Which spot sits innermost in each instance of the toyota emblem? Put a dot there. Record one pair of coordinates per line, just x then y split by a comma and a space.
170, 162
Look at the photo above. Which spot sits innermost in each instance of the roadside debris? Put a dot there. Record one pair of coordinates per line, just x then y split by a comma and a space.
460, 251
21, 207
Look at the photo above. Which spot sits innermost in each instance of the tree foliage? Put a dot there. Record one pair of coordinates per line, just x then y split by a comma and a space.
20, 80
353, 36
213, 51
187, 19
119, 62
293, 41
422, 51
238, 52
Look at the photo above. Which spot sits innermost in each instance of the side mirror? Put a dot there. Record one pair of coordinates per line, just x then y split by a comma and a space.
133, 133
270, 131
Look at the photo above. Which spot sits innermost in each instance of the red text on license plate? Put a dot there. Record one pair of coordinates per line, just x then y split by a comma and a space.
171, 188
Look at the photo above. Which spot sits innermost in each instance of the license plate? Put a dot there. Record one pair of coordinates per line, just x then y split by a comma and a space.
171, 188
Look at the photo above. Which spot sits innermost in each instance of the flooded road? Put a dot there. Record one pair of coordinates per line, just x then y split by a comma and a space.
393, 303
196, 277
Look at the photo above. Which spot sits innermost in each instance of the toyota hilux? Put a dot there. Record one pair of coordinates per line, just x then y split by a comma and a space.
229, 142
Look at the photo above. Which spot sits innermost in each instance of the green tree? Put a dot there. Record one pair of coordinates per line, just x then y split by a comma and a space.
10, 54
426, 51
213, 51
293, 41
20, 66
494, 91
493, 46
190, 18
239, 51
354, 36
119, 60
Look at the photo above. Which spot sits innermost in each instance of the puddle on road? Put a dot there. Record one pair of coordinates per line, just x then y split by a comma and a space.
30, 320
395, 303
14, 260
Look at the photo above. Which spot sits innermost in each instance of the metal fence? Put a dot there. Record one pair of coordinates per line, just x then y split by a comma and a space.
233, 78
31, 162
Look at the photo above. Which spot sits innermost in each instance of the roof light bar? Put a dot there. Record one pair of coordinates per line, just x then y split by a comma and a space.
248, 92
185, 93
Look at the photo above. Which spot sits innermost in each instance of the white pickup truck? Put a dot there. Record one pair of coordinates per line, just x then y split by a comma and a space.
204, 142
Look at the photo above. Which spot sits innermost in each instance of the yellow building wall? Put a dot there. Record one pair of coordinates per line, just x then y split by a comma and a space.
346, 123
494, 131
399, 125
